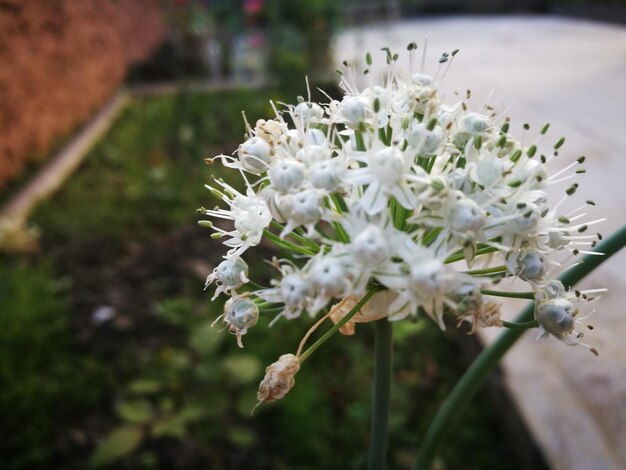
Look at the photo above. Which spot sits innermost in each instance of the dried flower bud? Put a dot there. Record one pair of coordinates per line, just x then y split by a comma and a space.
279, 379
472, 307
270, 130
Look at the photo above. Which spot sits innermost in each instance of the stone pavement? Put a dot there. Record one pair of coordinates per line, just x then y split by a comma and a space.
572, 74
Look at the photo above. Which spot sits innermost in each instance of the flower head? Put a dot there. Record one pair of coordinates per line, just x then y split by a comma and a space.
391, 189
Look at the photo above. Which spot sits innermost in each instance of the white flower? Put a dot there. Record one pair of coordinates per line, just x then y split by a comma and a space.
394, 188
329, 278
302, 208
294, 290
250, 214
387, 174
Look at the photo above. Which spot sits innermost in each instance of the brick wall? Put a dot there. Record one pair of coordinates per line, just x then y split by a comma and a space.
59, 61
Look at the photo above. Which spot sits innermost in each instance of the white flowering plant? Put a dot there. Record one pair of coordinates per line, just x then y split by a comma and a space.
392, 203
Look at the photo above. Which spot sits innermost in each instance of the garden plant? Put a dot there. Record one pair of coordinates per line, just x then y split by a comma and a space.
397, 202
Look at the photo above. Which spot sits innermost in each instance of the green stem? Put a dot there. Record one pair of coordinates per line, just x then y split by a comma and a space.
286, 244
338, 325
271, 311
490, 356
305, 241
520, 326
510, 295
360, 143
493, 270
480, 251
382, 390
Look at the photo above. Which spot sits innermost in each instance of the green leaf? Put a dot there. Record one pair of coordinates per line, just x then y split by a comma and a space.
135, 411
120, 442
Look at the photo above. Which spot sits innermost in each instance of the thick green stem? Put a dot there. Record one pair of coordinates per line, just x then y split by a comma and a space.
382, 391
490, 356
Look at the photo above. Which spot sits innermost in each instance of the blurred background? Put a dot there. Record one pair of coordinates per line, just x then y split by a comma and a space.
107, 355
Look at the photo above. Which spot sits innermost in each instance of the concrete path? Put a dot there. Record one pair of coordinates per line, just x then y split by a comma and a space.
572, 74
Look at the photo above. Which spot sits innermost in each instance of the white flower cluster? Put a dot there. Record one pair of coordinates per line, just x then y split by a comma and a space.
390, 188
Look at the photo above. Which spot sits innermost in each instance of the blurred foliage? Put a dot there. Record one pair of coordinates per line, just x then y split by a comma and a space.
43, 378
149, 173
172, 391
300, 35
296, 35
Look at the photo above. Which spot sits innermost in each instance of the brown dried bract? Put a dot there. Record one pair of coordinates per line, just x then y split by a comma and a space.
279, 379
375, 309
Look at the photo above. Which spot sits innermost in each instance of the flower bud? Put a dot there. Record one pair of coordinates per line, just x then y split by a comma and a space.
328, 274
254, 155
325, 175
422, 79
388, 165
307, 113
465, 215
232, 272
295, 289
530, 266
312, 154
286, 175
240, 314
314, 137
426, 277
302, 208
556, 316
424, 141
369, 247
352, 110
474, 123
